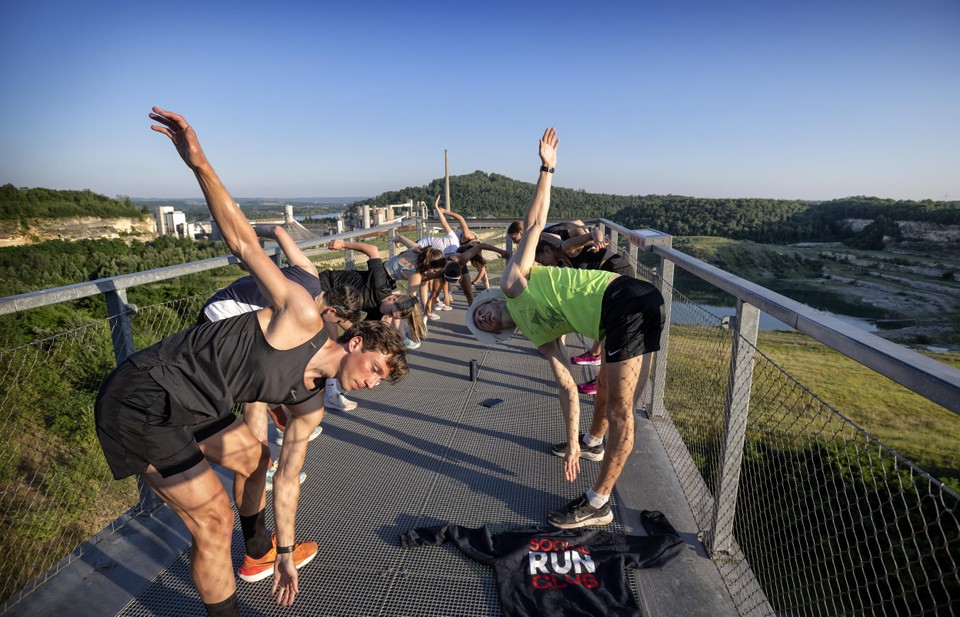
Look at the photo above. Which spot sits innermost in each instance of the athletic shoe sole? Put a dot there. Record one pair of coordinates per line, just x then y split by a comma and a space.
590, 456
606, 519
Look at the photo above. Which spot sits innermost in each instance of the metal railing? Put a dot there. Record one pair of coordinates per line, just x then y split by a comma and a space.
803, 512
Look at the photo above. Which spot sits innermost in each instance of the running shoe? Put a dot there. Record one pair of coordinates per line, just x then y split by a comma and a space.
589, 387
339, 402
579, 513
273, 470
316, 433
443, 307
411, 344
591, 453
433, 317
586, 359
254, 570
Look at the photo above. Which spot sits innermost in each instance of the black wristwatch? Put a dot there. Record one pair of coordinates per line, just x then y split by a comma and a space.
547, 169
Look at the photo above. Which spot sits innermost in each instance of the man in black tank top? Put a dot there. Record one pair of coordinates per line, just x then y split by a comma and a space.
167, 410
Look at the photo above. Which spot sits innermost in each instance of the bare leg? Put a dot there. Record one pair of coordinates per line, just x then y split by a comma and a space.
198, 498
255, 417
238, 450
618, 381
467, 286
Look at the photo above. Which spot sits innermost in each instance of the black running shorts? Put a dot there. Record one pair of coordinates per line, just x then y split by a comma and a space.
132, 416
632, 318
619, 264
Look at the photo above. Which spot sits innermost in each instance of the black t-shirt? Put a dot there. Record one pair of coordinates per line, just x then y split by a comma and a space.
578, 572
373, 284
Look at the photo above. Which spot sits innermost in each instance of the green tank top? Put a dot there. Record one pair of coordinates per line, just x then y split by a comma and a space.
559, 301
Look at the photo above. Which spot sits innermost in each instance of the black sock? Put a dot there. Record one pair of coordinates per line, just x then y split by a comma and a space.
255, 534
227, 608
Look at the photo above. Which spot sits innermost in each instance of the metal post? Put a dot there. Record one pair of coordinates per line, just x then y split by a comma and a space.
120, 329
121, 332
720, 538
665, 283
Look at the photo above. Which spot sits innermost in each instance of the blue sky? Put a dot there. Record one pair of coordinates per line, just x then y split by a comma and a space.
779, 99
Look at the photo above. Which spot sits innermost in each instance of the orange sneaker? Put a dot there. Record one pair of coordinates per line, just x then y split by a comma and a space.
254, 570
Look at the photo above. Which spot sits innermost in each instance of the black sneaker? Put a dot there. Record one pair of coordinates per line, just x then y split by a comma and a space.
579, 513
591, 453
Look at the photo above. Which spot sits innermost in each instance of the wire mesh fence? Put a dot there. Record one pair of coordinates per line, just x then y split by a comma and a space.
56, 490
829, 521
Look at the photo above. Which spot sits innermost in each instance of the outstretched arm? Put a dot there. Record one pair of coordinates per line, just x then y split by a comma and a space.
295, 256
569, 405
514, 279
367, 249
575, 244
443, 220
473, 251
234, 226
465, 234
304, 418
407, 242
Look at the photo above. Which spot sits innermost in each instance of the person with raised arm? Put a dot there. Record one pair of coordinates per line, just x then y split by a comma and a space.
379, 300
168, 409
544, 303
340, 306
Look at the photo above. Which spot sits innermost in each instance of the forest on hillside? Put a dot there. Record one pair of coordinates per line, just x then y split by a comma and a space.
23, 203
761, 220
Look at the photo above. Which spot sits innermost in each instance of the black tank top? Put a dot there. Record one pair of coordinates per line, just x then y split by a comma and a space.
210, 367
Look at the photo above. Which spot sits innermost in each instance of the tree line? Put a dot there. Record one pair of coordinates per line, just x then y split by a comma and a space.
776, 221
25, 203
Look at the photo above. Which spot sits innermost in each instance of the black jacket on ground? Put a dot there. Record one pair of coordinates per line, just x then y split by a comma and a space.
553, 572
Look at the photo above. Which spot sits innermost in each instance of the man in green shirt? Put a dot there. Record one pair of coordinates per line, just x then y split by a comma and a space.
544, 303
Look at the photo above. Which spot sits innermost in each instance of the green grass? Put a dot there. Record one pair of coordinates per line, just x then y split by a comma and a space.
918, 429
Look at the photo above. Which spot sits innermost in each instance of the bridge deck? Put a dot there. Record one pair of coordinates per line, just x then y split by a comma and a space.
418, 453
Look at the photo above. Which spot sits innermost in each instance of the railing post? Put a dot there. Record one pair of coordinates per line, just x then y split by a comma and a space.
720, 538
120, 329
121, 332
659, 379
614, 240
348, 260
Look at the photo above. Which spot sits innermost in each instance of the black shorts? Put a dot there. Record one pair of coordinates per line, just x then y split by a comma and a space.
632, 317
619, 264
132, 416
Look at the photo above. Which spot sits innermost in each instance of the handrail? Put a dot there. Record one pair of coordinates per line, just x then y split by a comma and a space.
931, 379
66, 293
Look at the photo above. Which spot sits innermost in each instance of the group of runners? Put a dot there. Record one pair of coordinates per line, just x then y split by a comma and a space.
288, 342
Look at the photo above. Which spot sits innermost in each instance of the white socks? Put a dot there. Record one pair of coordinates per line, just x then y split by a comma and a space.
591, 441
333, 387
597, 500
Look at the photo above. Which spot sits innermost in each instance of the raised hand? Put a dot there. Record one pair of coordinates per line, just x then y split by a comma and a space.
548, 147
182, 135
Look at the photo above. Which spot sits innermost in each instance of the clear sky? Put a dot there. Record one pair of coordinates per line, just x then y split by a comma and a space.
806, 99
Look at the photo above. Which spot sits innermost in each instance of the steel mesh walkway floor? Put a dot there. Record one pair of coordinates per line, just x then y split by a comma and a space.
418, 453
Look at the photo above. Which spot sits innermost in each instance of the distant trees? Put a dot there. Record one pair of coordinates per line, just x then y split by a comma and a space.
23, 203
775, 221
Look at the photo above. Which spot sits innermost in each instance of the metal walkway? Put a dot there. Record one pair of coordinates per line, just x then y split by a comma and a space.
423, 452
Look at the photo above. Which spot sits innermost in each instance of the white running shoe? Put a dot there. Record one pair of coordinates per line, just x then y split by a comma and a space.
443, 307
273, 470
316, 433
339, 402
433, 317
411, 344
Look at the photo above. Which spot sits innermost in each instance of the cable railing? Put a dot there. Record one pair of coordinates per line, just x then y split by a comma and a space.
803, 511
